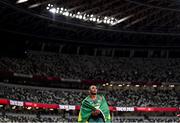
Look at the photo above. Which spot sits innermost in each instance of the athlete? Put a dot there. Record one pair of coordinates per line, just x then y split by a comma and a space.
94, 108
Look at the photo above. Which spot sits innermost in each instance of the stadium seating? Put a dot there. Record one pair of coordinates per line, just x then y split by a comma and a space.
124, 97
91, 67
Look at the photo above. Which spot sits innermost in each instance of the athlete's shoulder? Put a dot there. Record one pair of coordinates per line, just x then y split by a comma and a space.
100, 96
87, 98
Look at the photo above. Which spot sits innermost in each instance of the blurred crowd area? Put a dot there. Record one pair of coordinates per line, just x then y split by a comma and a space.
94, 67
123, 97
16, 118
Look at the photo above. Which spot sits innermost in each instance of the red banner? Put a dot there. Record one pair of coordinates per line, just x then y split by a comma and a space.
77, 107
4, 101
156, 109
41, 105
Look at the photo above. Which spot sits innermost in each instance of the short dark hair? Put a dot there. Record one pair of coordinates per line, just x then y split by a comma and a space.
91, 86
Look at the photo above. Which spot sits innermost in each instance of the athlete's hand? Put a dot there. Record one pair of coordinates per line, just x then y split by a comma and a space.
95, 112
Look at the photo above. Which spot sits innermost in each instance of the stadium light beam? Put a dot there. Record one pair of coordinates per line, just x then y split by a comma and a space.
34, 5
21, 1
121, 20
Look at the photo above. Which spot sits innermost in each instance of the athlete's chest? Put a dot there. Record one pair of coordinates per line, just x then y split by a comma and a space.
96, 103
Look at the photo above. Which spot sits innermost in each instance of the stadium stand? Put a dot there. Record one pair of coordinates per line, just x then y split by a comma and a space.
94, 67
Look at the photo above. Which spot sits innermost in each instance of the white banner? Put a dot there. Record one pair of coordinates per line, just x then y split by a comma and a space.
71, 107
67, 107
16, 103
23, 75
125, 108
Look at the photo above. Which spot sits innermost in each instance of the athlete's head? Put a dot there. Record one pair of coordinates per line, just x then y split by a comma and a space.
93, 90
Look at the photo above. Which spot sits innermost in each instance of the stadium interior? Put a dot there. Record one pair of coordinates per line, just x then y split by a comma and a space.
51, 52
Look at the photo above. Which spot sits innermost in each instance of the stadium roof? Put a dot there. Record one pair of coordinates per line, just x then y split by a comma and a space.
111, 21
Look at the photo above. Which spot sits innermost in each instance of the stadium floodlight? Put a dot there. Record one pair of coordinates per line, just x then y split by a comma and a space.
77, 16
154, 86
97, 19
47, 8
66, 13
108, 21
53, 10
29, 108
94, 19
73, 15
84, 17
80, 16
137, 85
70, 14
172, 86
112, 18
111, 22
14, 107
21, 1
57, 11
60, 12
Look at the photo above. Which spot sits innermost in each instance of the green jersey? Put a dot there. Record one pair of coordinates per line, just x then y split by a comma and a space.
88, 105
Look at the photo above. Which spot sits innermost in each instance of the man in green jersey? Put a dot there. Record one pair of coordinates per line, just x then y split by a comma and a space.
94, 108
